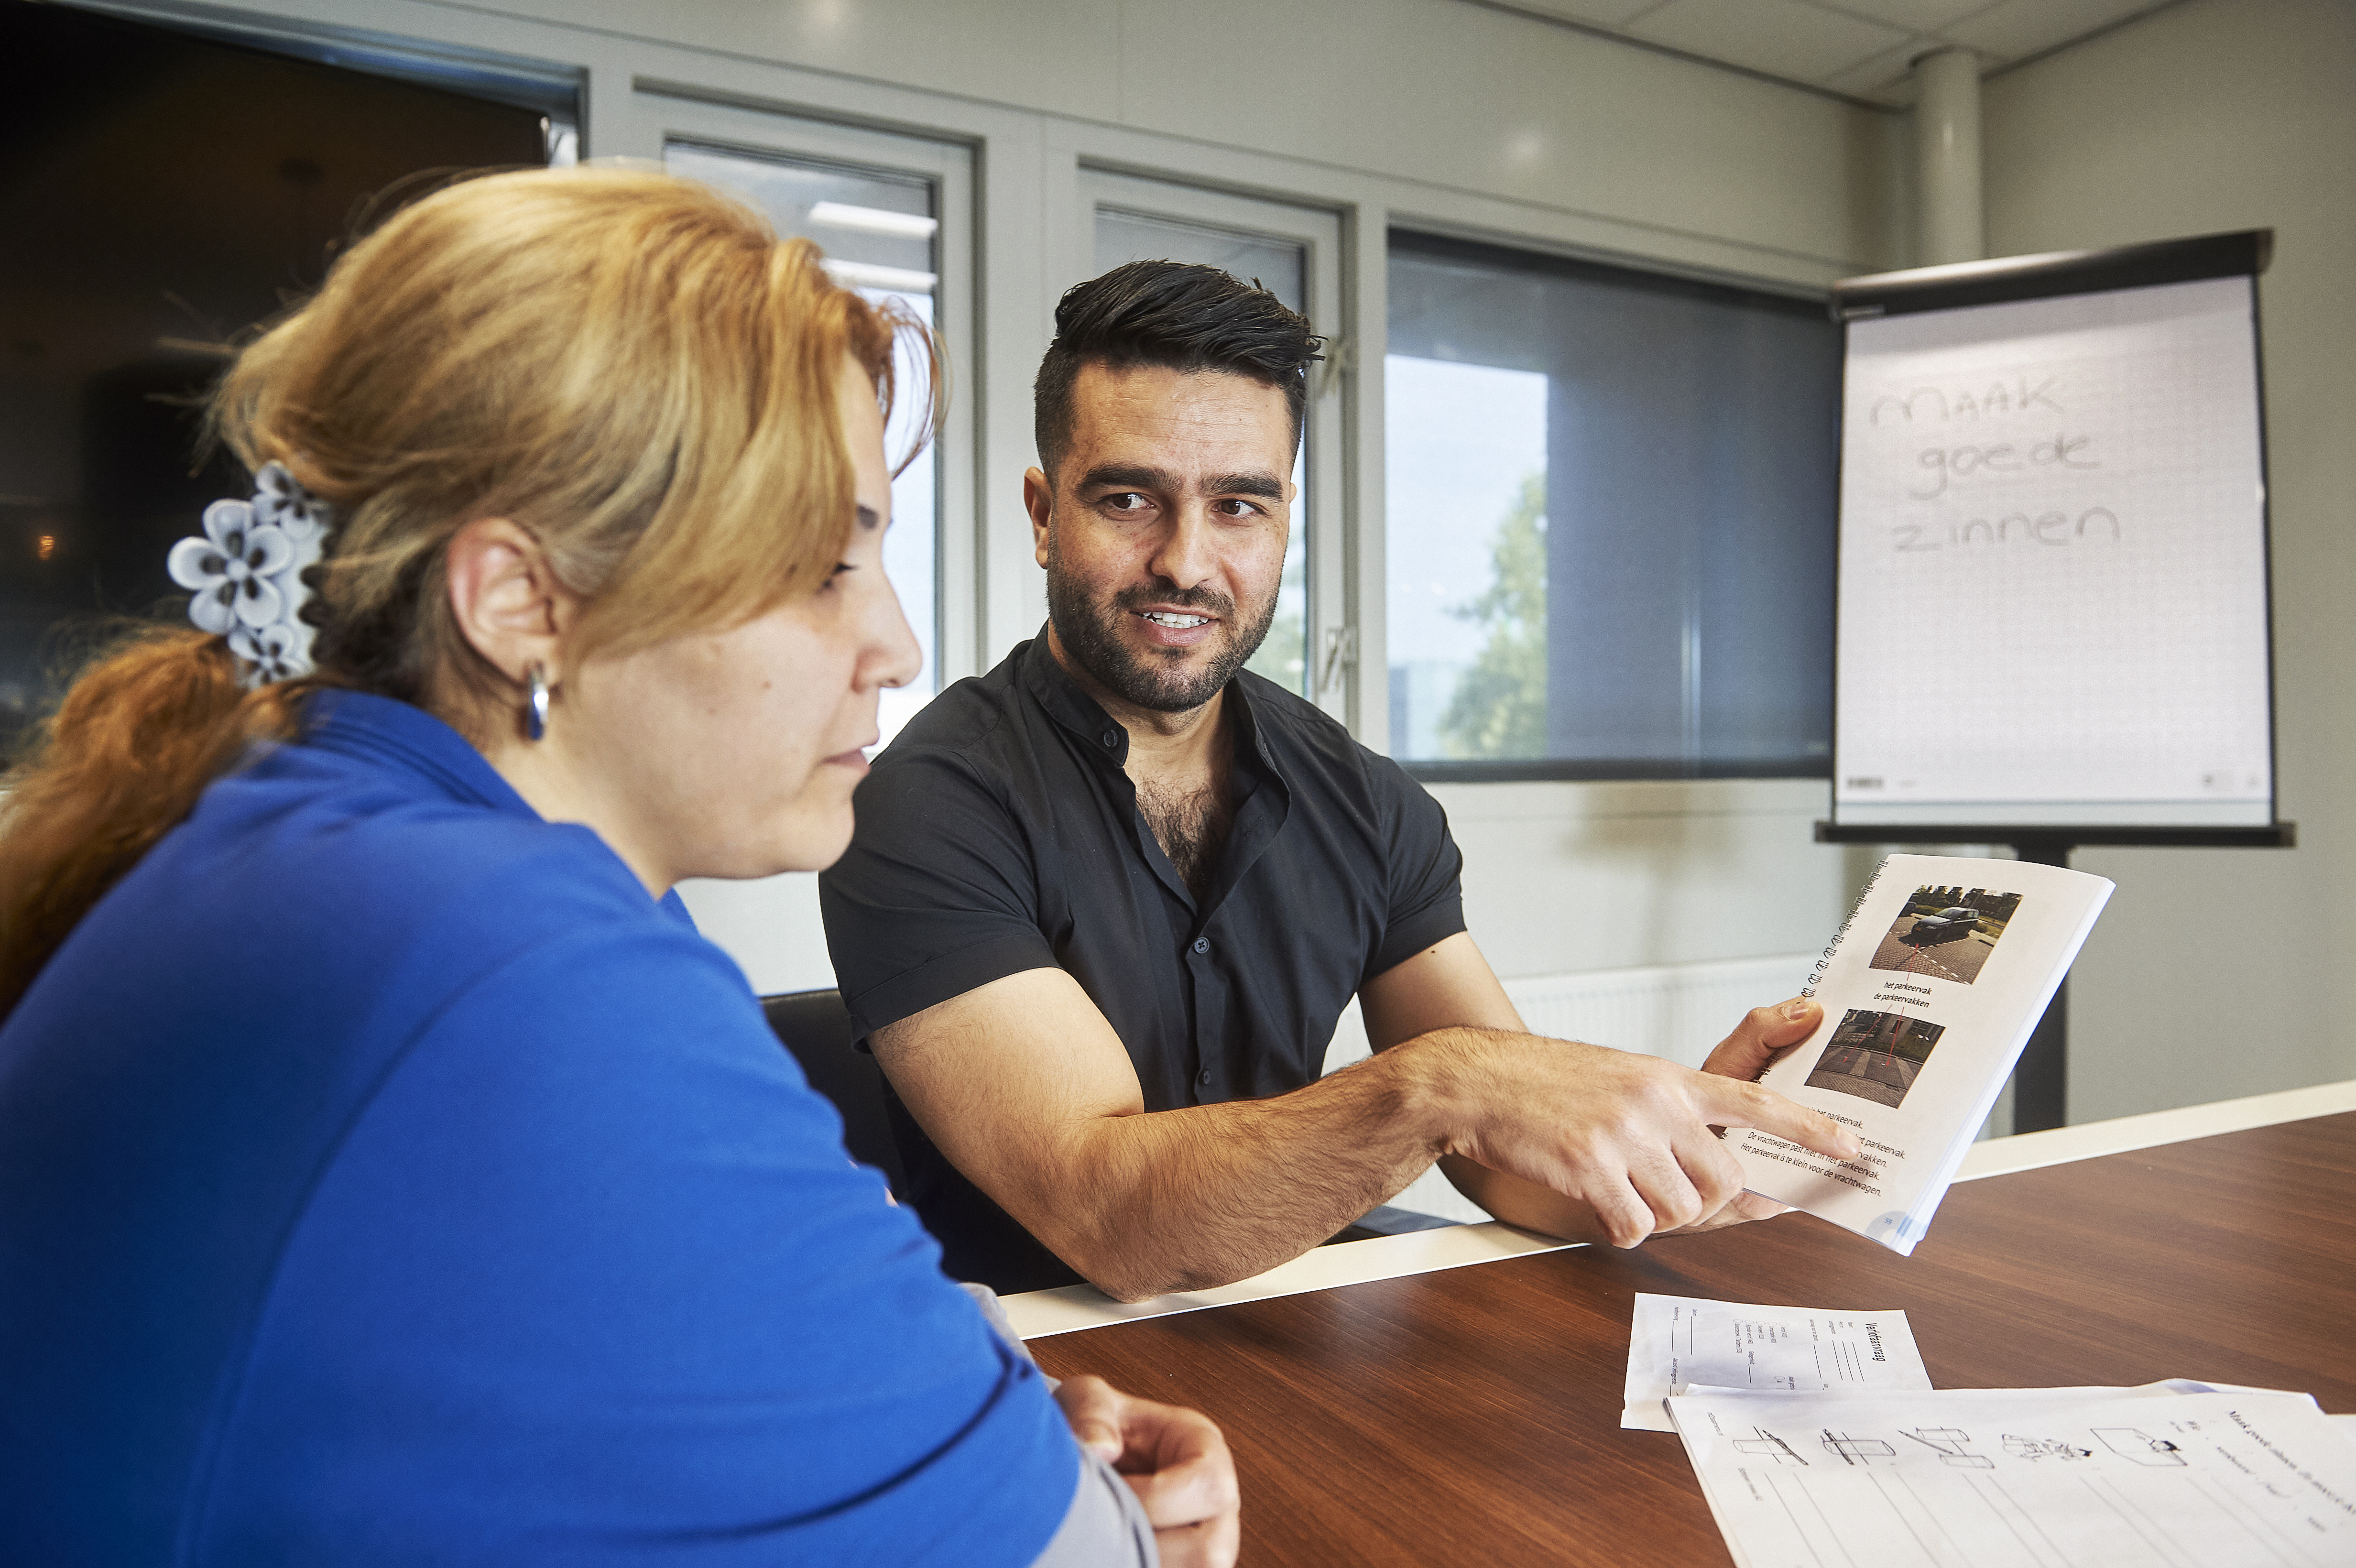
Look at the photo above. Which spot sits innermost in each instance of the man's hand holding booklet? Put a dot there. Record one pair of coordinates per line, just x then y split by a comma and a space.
1930, 991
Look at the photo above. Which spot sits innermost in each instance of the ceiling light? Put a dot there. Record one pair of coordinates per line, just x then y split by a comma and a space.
866, 275
874, 220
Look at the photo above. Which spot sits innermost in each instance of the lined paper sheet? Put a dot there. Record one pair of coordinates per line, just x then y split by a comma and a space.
2042, 1477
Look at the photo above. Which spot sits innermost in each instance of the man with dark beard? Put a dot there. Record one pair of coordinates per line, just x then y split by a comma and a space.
1107, 903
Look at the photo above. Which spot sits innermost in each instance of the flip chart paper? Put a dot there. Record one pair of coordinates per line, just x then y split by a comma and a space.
2052, 564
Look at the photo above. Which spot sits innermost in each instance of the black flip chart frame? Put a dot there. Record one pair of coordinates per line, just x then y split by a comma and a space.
2049, 276
2040, 1081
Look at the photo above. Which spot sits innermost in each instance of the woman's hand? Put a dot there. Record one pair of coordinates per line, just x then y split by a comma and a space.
1174, 1459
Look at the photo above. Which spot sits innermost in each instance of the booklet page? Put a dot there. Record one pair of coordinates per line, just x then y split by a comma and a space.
1678, 1340
1929, 993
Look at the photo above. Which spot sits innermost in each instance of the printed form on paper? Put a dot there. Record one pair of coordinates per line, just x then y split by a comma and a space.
1677, 1341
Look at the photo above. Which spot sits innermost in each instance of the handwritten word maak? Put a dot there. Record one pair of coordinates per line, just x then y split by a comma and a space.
1926, 404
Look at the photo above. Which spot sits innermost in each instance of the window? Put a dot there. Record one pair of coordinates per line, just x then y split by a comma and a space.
1291, 252
1610, 504
166, 192
881, 207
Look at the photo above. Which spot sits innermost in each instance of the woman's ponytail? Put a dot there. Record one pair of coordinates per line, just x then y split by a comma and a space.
134, 742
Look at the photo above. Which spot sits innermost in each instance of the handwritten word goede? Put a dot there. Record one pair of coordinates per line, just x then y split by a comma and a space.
1946, 464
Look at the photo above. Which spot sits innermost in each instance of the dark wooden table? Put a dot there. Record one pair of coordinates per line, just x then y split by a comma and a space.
1472, 1416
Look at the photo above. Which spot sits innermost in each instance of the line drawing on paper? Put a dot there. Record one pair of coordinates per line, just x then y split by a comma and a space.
2058, 1495
2129, 1443
1949, 1442
1768, 1445
1857, 1450
2043, 1448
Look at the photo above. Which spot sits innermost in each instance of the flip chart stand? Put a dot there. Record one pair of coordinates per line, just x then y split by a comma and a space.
2040, 1081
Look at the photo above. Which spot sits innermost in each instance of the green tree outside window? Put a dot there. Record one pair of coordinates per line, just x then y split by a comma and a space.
1499, 709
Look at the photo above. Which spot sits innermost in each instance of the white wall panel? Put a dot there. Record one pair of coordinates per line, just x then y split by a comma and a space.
1610, 876
1469, 98
2218, 973
1055, 55
770, 926
1430, 90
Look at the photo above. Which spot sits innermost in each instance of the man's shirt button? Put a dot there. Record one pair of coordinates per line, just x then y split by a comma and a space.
1202, 944
1205, 1079
1112, 738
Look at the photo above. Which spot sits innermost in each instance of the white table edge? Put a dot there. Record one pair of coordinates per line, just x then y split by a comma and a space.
1040, 1313
2060, 1145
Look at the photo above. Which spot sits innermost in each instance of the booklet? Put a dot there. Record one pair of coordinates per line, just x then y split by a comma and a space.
1930, 991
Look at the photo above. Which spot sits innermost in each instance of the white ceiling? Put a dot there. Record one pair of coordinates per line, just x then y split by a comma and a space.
1859, 49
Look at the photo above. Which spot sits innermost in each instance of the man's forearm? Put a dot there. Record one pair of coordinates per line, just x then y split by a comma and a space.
1192, 1199
1144, 1203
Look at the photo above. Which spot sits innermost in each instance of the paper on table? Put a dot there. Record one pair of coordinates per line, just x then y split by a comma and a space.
1681, 1340
2053, 1478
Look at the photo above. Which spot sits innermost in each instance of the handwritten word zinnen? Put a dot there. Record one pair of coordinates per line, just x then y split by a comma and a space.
2048, 527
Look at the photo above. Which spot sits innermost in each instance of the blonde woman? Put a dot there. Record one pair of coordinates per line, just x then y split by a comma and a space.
387, 1172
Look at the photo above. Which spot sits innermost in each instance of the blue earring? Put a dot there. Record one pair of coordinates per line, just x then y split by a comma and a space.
535, 712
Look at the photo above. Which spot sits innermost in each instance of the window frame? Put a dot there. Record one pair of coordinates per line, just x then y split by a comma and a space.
661, 114
1318, 231
1439, 241
555, 89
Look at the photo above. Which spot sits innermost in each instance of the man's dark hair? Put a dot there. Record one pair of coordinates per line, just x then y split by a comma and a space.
1179, 317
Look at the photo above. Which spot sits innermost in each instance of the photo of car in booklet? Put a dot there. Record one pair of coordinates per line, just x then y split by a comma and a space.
1948, 932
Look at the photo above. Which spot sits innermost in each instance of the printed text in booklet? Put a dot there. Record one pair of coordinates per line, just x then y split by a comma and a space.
1929, 993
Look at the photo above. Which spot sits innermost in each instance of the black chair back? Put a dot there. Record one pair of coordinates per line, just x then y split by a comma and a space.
816, 1026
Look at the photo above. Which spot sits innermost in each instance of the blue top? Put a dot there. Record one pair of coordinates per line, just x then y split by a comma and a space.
385, 1177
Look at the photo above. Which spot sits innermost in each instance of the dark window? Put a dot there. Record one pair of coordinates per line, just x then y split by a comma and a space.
1610, 520
162, 193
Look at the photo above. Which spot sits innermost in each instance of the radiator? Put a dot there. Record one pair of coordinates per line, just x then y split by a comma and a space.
1675, 1010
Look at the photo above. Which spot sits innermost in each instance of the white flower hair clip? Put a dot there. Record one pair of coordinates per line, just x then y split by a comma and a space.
246, 573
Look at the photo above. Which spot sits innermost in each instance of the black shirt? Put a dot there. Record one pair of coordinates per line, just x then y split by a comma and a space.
998, 834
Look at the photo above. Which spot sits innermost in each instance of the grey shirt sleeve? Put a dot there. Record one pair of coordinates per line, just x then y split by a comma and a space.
1106, 1524
993, 1312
